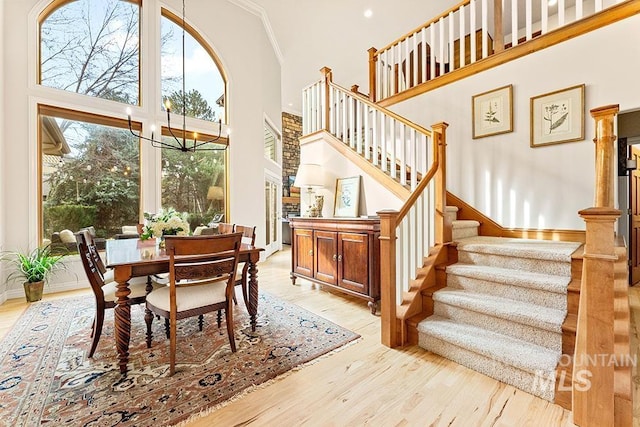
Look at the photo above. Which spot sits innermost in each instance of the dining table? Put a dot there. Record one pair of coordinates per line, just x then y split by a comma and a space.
139, 258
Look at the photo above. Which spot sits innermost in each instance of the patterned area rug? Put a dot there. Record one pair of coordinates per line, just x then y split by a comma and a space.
46, 377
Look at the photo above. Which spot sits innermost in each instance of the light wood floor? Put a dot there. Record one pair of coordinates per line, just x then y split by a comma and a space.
367, 383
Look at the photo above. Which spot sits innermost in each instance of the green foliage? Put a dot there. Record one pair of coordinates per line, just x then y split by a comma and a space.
33, 266
196, 105
72, 217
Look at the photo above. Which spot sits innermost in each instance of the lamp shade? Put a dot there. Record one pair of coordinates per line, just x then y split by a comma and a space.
215, 193
309, 175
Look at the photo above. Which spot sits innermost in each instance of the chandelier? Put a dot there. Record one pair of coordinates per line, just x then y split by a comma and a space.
181, 142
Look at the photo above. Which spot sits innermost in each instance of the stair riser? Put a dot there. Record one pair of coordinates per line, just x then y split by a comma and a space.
558, 268
461, 233
491, 367
532, 334
533, 296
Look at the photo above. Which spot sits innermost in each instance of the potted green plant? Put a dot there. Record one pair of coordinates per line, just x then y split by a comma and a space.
34, 267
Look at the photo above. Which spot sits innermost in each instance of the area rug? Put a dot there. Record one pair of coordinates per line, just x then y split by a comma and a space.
47, 379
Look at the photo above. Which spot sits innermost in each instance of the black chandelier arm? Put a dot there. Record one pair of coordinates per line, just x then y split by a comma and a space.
183, 144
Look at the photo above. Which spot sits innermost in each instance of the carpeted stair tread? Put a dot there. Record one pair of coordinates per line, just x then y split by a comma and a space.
464, 223
525, 313
509, 350
521, 248
508, 276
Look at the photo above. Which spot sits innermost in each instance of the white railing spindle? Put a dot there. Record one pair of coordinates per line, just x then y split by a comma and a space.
472, 25
514, 22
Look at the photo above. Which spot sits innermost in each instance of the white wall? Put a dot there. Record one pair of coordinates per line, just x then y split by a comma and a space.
373, 195
503, 177
238, 38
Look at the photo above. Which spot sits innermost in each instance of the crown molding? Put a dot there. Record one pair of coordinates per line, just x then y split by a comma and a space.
259, 11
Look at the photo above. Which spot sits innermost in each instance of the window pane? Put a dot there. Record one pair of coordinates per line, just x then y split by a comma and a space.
204, 85
270, 143
194, 183
92, 47
90, 177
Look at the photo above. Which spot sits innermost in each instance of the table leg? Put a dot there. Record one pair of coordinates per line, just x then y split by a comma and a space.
122, 324
253, 293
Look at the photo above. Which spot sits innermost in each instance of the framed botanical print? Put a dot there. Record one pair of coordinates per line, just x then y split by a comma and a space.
492, 112
557, 117
347, 197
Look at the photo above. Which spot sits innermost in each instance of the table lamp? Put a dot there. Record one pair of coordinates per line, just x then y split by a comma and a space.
310, 176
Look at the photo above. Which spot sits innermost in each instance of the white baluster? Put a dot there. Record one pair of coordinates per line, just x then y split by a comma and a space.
463, 32
441, 49
451, 23
529, 18
432, 50
416, 64
579, 10
359, 128
414, 163
514, 23
544, 27
485, 29
374, 136
472, 29
411, 259
403, 154
345, 111
383, 142
560, 13
423, 65
394, 79
598, 6
385, 75
394, 145
407, 65
352, 119
399, 273
323, 102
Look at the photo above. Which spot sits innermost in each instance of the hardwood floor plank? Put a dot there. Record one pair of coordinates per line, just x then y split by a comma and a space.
367, 383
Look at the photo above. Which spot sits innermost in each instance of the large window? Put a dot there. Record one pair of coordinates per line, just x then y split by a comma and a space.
90, 169
90, 174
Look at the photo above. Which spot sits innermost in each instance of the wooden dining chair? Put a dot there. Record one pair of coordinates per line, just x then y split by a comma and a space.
104, 288
225, 228
249, 238
205, 266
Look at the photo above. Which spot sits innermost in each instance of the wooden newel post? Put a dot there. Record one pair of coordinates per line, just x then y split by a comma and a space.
388, 317
605, 150
373, 58
442, 229
593, 370
328, 78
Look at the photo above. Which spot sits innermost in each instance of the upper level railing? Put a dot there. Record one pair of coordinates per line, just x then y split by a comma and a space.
466, 33
390, 142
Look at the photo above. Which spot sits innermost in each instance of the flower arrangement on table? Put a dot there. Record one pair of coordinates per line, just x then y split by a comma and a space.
166, 222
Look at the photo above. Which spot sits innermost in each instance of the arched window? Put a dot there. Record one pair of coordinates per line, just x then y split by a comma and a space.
92, 47
90, 164
204, 83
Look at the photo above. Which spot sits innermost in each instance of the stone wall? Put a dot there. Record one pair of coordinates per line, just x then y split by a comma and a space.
291, 132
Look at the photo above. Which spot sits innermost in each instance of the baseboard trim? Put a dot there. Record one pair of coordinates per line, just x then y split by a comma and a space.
489, 227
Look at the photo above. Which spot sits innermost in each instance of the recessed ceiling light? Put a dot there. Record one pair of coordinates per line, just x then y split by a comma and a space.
368, 13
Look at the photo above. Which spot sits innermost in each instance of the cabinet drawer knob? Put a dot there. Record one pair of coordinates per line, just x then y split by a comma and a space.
310, 251
335, 257
339, 257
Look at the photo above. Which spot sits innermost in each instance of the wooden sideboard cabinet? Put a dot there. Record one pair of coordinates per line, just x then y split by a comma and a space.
342, 253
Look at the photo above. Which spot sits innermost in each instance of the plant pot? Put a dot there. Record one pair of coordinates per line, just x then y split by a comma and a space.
33, 291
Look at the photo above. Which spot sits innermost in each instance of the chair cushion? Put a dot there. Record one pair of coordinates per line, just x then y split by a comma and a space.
67, 236
198, 230
129, 229
189, 297
137, 285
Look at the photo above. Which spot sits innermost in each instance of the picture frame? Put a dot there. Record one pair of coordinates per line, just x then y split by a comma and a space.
492, 112
347, 201
557, 117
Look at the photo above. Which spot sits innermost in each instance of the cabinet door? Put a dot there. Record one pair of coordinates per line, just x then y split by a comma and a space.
353, 262
326, 256
303, 252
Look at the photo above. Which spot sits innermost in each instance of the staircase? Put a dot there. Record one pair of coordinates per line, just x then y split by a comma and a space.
503, 307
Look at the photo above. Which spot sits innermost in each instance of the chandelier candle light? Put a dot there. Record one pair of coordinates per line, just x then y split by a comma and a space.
180, 144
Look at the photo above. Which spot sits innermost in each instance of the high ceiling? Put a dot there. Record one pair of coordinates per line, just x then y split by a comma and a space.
335, 33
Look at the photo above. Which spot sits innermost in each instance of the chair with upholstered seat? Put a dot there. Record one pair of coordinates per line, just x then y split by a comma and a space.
206, 268
249, 238
103, 286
